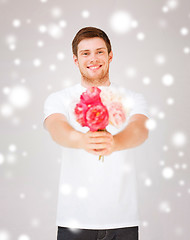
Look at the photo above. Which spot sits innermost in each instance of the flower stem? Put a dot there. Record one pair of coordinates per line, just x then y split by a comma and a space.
101, 157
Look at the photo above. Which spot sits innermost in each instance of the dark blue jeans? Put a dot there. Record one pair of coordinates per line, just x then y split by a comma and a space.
127, 233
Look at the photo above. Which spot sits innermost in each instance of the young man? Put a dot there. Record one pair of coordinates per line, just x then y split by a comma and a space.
96, 200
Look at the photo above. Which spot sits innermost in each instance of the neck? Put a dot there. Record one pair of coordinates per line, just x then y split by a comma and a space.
94, 83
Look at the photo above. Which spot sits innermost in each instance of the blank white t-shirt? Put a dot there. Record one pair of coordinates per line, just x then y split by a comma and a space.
95, 194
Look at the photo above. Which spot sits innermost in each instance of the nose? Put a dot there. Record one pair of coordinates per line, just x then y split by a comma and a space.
93, 57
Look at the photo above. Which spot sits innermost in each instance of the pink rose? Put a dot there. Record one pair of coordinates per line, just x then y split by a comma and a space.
116, 114
97, 117
91, 96
80, 113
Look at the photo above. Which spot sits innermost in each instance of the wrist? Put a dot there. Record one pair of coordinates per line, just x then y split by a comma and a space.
76, 138
116, 146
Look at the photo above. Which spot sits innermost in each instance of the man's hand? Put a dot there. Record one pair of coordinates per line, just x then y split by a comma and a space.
98, 143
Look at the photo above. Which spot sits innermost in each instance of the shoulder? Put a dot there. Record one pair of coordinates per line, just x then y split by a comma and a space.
63, 92
133, 99
123, 89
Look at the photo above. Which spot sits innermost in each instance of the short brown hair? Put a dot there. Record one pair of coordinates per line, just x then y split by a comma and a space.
89, 32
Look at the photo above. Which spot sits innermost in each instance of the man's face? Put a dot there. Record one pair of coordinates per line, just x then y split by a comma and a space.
93, 60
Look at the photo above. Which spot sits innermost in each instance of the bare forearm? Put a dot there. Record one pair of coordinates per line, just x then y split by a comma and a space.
65, 135
132, 136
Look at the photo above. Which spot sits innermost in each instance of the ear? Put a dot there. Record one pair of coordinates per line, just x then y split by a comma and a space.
110, 56
75, 60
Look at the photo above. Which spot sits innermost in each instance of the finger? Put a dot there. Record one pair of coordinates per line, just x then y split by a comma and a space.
99, 134
99, 152
99, 146
103, 152
100, 140
96, 152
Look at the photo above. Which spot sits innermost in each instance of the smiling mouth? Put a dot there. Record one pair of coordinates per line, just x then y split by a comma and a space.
94, 67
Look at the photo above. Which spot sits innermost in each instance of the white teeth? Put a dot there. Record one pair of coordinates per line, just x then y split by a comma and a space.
94, 67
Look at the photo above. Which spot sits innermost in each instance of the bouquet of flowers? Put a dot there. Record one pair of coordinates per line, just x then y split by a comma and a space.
98, 108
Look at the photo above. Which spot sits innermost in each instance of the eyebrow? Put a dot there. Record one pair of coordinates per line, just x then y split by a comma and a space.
87, 50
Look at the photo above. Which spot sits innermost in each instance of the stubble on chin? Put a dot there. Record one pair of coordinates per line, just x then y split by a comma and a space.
91, 81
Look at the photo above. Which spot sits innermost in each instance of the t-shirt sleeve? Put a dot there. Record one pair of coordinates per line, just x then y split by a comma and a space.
139, 105
54, 104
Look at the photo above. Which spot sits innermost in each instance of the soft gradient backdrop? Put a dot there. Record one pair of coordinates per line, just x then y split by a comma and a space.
151, 45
